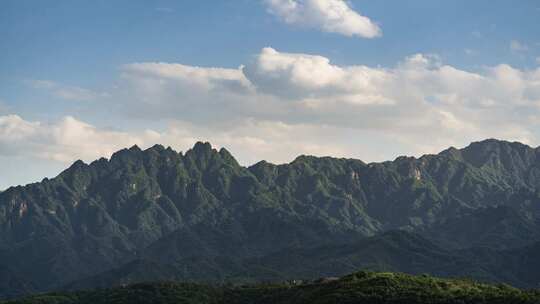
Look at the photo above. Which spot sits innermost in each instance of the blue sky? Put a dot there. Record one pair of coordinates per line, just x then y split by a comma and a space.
79, 79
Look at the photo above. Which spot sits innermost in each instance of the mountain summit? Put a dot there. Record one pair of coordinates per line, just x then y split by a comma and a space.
202, 216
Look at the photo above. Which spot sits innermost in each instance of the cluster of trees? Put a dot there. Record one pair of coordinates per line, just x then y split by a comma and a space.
360, 287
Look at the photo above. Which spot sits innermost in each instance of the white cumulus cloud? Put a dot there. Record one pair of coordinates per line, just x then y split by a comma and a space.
69, 139
333, 16
421, 102
65, 140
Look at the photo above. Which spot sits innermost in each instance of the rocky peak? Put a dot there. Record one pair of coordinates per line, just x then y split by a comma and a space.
498, 153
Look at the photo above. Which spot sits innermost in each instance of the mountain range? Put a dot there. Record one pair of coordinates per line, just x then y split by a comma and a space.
157, 214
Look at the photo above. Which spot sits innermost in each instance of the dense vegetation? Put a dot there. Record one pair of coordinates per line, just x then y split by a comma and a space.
200, 216
361, 287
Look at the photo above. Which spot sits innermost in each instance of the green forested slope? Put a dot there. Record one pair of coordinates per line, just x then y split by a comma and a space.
361, 287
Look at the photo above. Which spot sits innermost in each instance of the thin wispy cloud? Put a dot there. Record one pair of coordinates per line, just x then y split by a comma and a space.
470, 52
477, 34
517, 46
66, 92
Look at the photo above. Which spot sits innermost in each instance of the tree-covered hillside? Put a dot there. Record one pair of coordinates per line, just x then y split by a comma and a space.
360, 287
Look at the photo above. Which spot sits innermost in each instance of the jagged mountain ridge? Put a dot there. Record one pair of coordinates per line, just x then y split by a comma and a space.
96, 217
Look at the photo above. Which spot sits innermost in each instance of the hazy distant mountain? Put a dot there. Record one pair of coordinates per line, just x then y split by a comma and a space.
202, 216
